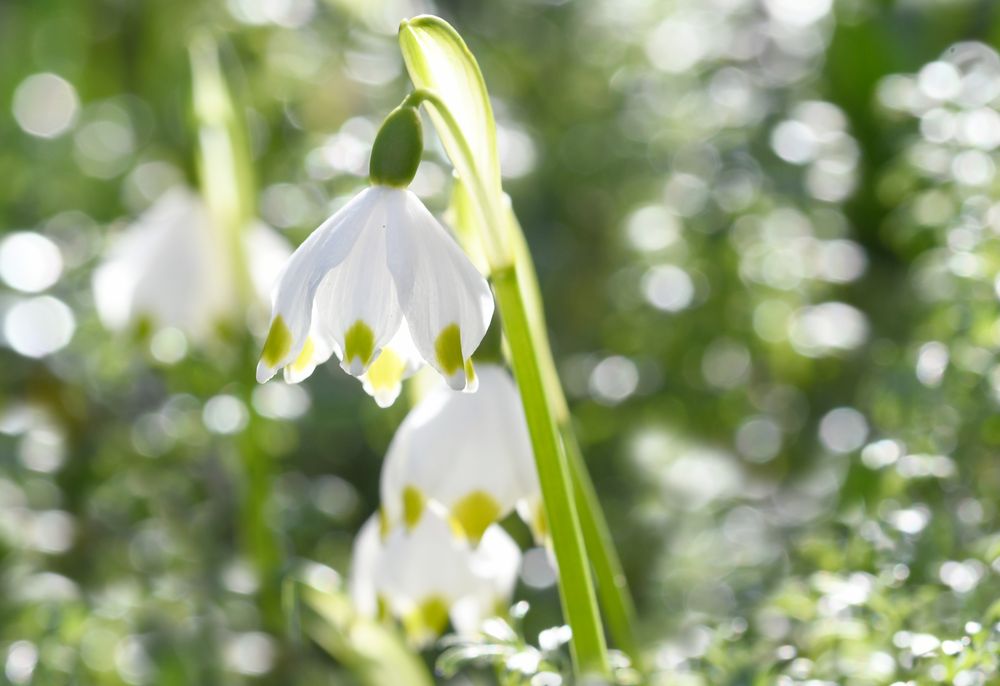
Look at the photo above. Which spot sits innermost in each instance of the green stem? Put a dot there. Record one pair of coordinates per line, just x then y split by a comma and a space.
258, 537
575, 585
493, 236
565, 489
612, 585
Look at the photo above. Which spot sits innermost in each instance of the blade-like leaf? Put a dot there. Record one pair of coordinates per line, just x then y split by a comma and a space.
438, 61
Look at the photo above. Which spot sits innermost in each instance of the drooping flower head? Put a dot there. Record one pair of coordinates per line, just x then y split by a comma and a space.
380, 284
428, 576
469, 454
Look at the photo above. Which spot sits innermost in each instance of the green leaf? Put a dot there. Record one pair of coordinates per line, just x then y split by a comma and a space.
374, 653
465, 219
439, 62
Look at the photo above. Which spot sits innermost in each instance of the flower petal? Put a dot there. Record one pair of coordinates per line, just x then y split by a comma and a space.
497, 562
446, 301
468, 453
315, 352
364, 563
356, 306
168, 267
398, 360
295, 291
422, 572
266, 253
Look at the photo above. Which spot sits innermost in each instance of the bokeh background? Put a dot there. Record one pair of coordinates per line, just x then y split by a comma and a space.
768, 235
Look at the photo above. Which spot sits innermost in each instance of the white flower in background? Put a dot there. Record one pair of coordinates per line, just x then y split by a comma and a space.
364, 565
380, 284
381, 264
172, 268
427, 576
470, 454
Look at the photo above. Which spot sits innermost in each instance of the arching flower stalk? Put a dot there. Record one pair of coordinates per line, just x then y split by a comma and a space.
380, 284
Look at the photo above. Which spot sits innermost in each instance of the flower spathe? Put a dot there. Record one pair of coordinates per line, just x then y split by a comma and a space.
427, 576
381, 278
470, 454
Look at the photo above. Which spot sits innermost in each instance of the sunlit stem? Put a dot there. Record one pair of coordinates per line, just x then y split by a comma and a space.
612, 586
373, 651
575, 584
576, 520
496, 243
224, 160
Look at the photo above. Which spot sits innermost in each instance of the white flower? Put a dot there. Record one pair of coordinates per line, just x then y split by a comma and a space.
364, 566
172, 268
381, 275
427, 576
470, 454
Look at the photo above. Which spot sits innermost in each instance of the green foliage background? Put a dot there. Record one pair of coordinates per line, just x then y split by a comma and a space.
792, 553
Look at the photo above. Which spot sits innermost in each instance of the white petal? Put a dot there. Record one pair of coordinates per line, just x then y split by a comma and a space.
113, 285
266, 254
168, 266
315, 352
356, 306
446, 301
295, 291
496, 562
532, 511
364, 566
422, 568
470, 453
398, 361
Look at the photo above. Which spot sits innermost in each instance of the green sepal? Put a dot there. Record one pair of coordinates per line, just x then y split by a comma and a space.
397, 148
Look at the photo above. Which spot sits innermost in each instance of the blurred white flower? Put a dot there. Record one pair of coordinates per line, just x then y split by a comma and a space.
380, 278
468, 453
426, 576
172, 268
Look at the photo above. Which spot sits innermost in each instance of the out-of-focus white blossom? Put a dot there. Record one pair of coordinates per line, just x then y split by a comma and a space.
173, 268
426, 576
469, 453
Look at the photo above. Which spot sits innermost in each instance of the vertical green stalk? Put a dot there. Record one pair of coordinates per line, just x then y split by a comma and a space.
223, 158
226, 183
575, 585
450, 85
612, 586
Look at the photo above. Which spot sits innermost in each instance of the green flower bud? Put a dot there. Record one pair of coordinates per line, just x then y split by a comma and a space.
397, 149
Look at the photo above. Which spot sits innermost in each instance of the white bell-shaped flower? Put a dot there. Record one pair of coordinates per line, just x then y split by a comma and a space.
380, 278
497, 561
364, 566
469, 453
427, 576
380, 265
172, 268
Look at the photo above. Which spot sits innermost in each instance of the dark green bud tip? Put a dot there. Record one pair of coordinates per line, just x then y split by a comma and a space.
397, 149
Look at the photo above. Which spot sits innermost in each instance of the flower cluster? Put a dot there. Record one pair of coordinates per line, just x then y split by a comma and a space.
458, 465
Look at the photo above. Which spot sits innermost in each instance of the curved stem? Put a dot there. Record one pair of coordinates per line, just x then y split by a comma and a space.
496, 244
